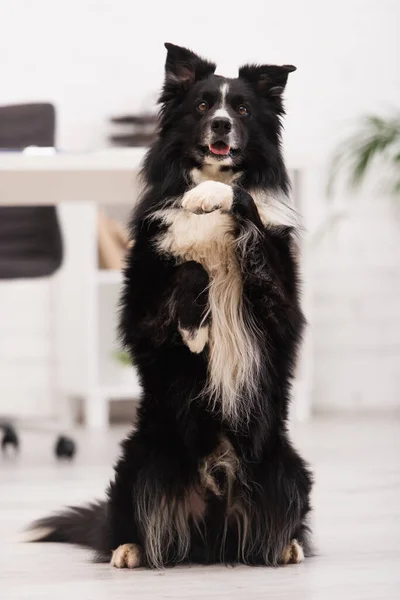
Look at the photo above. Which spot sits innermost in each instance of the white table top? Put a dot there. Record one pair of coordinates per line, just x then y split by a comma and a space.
106, 177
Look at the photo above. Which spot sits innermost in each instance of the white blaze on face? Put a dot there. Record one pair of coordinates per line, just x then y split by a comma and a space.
222, 110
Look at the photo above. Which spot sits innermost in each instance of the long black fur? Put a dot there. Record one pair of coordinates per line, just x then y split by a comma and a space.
255, 499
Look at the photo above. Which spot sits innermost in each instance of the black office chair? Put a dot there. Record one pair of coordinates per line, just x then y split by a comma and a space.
30, 236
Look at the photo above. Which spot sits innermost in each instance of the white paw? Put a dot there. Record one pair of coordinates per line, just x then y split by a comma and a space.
127, 556
207, 197
195, 339
293, 553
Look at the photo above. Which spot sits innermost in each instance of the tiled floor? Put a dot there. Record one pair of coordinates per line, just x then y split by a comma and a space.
356, 522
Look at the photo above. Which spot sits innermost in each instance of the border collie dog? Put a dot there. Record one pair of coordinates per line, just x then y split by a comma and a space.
210, 314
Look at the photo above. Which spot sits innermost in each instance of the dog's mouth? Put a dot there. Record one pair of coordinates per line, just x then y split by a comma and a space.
219, 149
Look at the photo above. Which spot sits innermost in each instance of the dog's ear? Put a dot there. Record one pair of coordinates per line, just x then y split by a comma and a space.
267, 80
182, 68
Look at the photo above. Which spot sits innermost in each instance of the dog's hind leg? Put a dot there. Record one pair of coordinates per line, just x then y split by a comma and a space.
191, 302
281, 503
152, 501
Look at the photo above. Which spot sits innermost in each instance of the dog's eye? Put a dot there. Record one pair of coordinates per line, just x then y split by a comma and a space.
202, 106
242, 110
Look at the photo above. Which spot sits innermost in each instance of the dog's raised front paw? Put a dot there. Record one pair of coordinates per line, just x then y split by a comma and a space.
207, 197
293, 553
127, 556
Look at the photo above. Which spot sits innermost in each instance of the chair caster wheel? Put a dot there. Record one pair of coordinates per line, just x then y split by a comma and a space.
65, 447
10, 438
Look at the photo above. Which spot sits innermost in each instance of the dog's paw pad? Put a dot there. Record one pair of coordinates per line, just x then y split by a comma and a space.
127, 556
293, 553
208, 197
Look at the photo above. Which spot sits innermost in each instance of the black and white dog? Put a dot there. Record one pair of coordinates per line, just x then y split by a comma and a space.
211, 317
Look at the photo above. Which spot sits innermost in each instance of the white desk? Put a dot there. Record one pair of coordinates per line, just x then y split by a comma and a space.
78, 182
105, 177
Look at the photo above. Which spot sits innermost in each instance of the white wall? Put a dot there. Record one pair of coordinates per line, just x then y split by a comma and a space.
357, 311
95, 58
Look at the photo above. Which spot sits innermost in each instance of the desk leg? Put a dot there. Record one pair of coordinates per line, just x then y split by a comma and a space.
96, 408
78, 312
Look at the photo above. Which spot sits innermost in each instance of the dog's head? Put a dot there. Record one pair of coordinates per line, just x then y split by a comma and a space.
214, 120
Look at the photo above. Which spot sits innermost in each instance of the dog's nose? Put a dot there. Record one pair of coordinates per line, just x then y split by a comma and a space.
221, 126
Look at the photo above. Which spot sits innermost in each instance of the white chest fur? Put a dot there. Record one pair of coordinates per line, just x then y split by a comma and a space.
204, 238
212, 171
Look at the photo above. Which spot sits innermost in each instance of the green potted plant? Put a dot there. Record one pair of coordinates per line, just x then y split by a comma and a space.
376, 139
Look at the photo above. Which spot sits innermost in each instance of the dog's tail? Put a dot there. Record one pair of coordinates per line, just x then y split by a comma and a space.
84, 526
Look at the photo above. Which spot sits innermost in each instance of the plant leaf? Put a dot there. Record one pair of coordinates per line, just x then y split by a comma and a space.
374, 136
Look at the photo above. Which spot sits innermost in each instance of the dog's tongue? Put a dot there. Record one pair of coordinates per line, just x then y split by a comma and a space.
219, 148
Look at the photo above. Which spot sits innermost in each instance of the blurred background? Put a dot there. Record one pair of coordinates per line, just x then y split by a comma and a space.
99, 63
